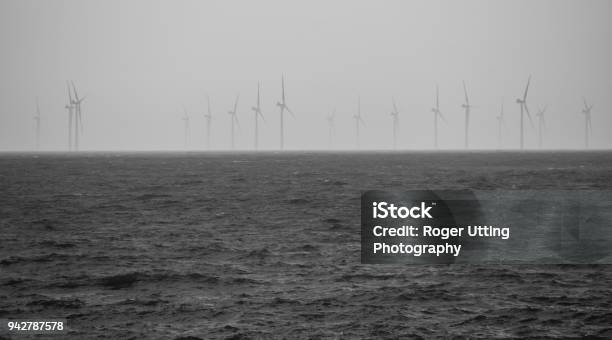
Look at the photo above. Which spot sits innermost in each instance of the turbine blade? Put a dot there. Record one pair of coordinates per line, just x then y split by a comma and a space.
441, 116
437, 98
586, 106
237, 122
394, 106
467, 100
76, 95
528, 114
283, 86
236, 103
69, 94
208, 100
526, 88
288, 110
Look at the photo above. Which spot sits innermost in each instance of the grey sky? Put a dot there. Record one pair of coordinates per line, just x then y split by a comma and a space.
139, 62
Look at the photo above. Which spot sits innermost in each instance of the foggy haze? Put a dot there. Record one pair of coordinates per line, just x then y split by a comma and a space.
140, 62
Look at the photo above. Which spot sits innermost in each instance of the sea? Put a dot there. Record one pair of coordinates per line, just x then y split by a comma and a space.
198, 245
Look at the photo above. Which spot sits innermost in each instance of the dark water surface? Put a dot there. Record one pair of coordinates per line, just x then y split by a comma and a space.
267, 246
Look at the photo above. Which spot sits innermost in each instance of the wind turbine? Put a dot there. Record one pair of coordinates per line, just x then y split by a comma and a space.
395, 115
185, 119
208, 117
500, 124
523, 103
78, 124
437, 113
234, 119
541, 125
587, 122
331, 126
358, 120
283, 106
70, 107
37, 120
467, 108
257, 110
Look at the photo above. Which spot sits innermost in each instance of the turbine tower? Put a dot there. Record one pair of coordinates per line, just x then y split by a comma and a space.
500, 124
257, 110
541, 125
395, 115
233, 119
78, 124
185, 119
466, 106
358, 121
331, 126
523, 104
437, 113
208, 118
37, 120
283, 106
588, 128
70, 108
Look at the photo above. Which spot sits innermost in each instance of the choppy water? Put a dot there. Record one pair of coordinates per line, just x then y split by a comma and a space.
267, 246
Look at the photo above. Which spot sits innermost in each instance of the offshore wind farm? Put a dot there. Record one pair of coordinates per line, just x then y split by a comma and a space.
75, 124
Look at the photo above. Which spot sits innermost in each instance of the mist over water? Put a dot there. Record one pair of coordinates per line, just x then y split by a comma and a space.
140, 62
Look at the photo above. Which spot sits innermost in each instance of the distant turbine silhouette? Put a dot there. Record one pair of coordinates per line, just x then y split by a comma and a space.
78, 124
208, 118
185, 119
257, 110
331, 126
523, 103
395, 115
234, 119
500, 125
283, 106
467, 108
437, 113
37, 120
541, 125
588, 128
70, 107
358, 121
